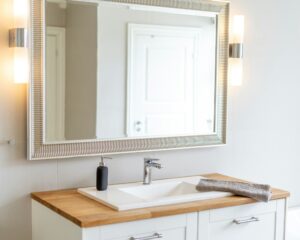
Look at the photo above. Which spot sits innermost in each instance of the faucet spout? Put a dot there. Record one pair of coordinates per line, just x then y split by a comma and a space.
156, 165
150, 163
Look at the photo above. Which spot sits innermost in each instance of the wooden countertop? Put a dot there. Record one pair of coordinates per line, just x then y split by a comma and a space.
88, 213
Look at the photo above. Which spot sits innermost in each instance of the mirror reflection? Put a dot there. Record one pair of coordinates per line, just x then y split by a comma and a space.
116, 71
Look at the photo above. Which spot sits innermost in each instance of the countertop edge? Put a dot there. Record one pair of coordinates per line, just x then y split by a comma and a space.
56, 210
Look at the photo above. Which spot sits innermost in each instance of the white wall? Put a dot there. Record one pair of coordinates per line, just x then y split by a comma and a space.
263, 129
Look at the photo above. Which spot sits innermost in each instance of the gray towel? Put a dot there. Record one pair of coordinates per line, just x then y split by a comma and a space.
258, 192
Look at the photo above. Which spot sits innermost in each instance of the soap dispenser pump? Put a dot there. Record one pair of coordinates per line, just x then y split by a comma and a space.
102, 175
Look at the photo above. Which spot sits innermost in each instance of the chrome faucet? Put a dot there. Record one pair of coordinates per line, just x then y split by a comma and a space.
150, 163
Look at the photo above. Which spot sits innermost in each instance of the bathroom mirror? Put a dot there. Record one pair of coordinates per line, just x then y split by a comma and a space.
127, 76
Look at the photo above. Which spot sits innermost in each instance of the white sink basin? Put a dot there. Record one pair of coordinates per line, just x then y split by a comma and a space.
161, 192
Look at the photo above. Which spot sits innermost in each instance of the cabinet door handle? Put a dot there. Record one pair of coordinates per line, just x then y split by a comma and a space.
154, 236
249, 220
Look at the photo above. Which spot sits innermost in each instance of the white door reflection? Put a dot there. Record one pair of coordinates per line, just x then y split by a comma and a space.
164, 84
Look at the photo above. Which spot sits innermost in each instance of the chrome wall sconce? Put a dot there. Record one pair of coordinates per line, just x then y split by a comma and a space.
18, 40
236, 51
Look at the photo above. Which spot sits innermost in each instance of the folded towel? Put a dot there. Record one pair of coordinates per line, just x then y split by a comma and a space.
258, 192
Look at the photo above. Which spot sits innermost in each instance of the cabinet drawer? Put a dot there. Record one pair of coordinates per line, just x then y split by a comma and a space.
256, 226
258, 221
179, 227
171, 234
244, 211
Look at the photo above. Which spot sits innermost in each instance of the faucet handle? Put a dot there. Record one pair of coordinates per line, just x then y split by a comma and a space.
151, 160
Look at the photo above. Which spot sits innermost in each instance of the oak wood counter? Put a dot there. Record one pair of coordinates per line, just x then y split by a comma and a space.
86, 212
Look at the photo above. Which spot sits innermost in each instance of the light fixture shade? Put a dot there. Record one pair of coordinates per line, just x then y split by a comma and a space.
18, 40
236, 51
20, 12
238, 29
21, 65
236, 71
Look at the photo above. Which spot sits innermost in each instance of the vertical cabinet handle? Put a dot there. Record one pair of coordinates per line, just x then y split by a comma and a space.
249, 220
154, 236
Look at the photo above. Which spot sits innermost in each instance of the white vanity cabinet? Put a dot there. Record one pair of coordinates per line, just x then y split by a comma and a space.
256, 221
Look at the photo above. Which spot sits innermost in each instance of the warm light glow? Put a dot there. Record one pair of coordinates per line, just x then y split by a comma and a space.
236, 71
21, 68
21, 61
238, 29
20, 8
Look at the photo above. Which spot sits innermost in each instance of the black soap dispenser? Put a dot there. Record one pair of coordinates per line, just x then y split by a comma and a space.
102, 175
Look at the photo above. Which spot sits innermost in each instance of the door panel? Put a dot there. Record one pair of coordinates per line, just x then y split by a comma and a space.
161, 96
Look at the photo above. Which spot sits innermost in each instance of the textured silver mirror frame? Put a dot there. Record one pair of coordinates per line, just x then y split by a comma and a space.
38, 149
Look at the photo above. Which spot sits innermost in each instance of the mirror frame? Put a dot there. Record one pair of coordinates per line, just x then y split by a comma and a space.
39, 149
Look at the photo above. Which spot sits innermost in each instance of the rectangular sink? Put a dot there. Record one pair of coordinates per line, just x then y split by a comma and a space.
159, 191
162, 192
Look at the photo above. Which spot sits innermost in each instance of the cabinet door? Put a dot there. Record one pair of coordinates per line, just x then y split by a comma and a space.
258, 221
179, 227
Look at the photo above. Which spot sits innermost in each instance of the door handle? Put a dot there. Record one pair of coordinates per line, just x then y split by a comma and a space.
249, 220
154, 236
138, 126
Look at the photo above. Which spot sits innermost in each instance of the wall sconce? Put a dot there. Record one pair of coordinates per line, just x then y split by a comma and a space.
18, 41
236, 51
